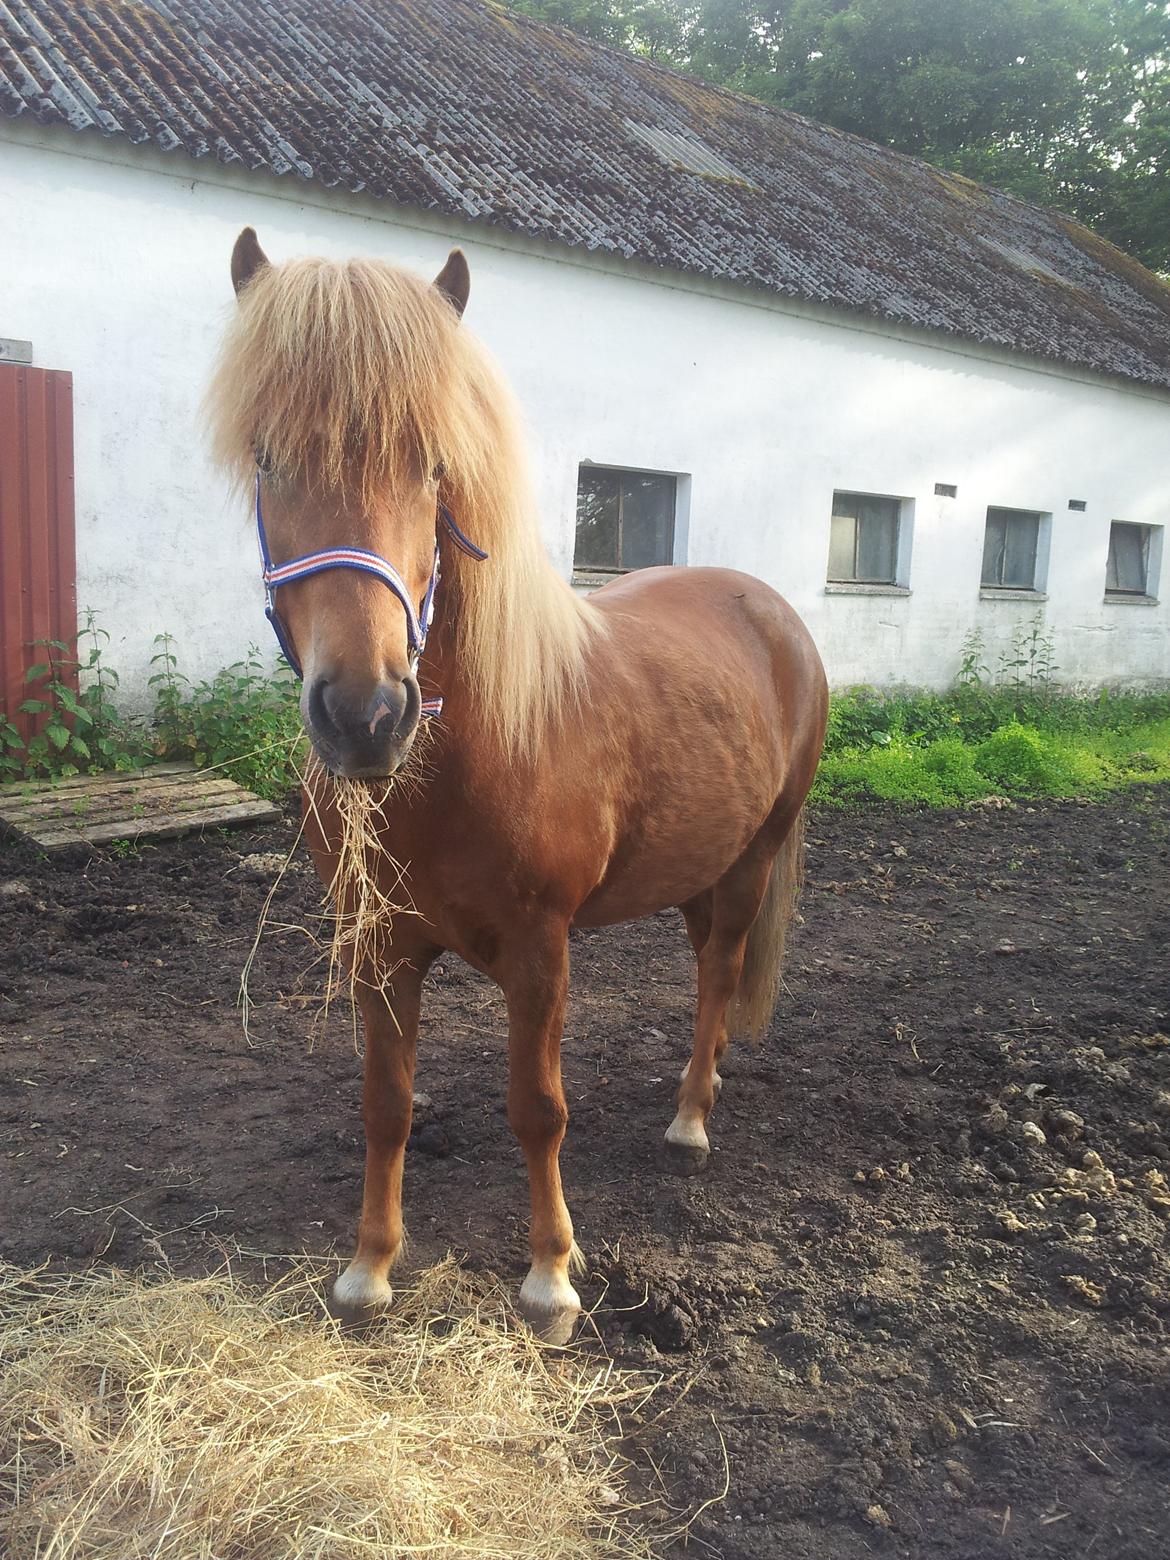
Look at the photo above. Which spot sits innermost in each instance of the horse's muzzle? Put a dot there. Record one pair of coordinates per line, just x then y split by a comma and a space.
361, 734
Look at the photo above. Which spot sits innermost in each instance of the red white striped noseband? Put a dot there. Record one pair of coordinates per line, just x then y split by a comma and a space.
418, 620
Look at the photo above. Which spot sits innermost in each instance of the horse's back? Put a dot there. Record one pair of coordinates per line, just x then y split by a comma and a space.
719, 613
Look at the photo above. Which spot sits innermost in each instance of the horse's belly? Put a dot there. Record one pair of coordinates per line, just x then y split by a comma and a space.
675, 851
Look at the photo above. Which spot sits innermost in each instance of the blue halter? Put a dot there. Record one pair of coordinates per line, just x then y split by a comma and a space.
418, 621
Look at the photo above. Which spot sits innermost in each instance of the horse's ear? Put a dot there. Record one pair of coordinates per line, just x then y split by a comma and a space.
247, 259
454, 281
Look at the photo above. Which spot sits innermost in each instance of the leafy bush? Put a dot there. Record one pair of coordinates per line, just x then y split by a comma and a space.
245, 721
79, 728
895, 774
939, 774
1026, 762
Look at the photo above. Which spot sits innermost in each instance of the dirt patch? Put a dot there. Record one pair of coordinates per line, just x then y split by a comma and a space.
922, 1297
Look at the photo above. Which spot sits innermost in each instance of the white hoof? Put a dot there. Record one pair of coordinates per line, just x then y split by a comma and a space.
687, 1132
549, 1304
686, 1150
359, 1293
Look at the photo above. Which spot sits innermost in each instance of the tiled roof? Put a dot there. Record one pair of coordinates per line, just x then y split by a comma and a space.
464, 107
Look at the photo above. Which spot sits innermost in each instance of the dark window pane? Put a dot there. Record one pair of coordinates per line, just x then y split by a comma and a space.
647, 521
877, 540
1009, 549
863, 538
597, 520
1129, 556
1019, 554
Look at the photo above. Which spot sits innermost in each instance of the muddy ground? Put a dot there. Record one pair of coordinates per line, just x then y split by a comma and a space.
922, 1296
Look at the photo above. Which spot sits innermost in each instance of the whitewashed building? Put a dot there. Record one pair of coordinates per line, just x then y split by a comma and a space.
916, 406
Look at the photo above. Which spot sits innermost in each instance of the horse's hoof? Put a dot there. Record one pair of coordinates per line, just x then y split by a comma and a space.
685, 1158
686, 1149
550, 1305
359, 1296
556, 1327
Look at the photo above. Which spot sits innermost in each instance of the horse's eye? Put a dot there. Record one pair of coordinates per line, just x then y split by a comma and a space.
264, 461
439, 472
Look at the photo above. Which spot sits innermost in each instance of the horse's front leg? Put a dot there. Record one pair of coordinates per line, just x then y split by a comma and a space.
390, 1021
535, 985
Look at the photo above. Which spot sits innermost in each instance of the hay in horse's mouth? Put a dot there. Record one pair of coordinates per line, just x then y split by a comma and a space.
193, 1418
368, 887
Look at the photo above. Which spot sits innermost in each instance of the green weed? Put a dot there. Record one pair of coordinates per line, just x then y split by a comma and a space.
78, 727
244, 721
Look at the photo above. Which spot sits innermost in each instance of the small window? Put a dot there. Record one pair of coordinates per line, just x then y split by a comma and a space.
1128, 570
1010, 545
863, 539
625, 519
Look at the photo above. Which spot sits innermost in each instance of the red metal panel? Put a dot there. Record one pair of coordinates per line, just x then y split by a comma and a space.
38, 571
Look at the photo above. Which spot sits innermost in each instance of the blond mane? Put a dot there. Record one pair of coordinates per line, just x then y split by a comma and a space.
359, 374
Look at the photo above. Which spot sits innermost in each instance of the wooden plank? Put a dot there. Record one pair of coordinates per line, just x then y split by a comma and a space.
158, 802
113, 777
63, 795
128, 803
12, 600
167, 826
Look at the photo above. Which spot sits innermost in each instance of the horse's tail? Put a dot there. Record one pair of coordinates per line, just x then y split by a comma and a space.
759, 981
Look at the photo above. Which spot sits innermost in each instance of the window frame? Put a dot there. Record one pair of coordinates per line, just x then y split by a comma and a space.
609, 570
894, 582
1151, 561
1038, 584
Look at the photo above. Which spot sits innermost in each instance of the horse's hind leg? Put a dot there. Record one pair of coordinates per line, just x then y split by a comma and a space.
734, 904
696, 914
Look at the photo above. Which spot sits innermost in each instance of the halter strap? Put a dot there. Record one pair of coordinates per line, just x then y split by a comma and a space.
464, 543
418, 621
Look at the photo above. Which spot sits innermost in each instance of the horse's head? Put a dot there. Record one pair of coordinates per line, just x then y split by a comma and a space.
324, 374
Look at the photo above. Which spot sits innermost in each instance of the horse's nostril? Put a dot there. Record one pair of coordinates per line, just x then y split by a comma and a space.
387, 708
320, 714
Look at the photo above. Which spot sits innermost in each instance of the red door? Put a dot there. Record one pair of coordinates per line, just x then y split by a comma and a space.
38, 568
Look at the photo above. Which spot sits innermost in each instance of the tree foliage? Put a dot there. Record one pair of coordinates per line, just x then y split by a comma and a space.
1065, 102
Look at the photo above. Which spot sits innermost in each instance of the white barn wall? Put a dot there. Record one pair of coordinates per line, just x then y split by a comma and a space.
114, 264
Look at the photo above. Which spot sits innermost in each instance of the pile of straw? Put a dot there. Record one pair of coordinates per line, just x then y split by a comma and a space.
192, 1419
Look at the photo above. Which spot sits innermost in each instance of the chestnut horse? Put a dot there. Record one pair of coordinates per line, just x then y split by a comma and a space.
596, 759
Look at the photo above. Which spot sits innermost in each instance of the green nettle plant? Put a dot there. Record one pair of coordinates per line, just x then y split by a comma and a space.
1007, 729
245, 721
170, 721
73, 690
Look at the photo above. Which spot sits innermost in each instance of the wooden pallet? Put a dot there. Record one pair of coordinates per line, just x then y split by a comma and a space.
156, 803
